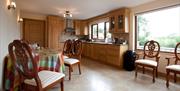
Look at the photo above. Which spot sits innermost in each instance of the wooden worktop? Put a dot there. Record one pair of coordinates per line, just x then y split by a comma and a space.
104, 43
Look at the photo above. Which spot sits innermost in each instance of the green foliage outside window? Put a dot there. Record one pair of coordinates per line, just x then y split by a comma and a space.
143, 35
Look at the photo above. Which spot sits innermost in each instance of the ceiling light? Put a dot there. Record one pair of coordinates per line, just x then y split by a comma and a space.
12, 5
67, 14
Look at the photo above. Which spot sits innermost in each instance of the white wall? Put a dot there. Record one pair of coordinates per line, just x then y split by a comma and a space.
9, 30
30, 15
147, 7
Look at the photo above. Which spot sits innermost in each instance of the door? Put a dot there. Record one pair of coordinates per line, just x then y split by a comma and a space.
34, 31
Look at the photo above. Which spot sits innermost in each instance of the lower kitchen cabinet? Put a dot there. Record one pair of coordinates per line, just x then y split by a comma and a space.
106, 53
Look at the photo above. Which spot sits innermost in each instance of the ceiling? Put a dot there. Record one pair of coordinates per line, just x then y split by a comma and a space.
81, 9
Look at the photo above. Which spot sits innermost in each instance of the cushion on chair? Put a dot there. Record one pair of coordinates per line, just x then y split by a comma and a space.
46, 77
173, 67
70, 60
147, 62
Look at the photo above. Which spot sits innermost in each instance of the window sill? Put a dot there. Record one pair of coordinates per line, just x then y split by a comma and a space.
172, 52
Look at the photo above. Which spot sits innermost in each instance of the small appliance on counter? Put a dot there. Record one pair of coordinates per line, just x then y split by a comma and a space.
83, 38
120, 41
108, 40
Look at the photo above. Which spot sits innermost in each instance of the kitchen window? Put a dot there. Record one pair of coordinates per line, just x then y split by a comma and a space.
94, 31
100, 31
161, 25
108, 34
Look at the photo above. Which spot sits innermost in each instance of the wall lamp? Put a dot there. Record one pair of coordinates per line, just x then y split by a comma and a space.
12, 5
20, 20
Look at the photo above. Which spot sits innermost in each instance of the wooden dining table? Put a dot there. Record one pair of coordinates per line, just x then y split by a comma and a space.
47, 59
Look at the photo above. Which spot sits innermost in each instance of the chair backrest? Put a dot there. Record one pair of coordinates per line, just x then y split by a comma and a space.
23, 61
25, 41
77, 48
177, 52
151, 49
67, 48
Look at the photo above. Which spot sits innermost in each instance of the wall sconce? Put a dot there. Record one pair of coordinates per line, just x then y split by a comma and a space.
12, 5
20, 20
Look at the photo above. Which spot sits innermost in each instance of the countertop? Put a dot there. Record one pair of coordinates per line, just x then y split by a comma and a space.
104, 43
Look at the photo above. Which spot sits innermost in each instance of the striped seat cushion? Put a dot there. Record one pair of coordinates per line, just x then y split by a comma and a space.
173, 67
70, 60
46, 77
146, 62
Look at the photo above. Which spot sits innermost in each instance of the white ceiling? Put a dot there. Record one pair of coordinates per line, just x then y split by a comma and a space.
81, 9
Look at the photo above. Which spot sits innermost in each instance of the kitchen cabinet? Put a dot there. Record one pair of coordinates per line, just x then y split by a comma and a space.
99, 52
119, 21
106, 53
87, 50
81, 27
34, 31
61, 45
55, 25
113, 56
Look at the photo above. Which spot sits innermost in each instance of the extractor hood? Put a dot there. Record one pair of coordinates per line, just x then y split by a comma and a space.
69, 25
69, 32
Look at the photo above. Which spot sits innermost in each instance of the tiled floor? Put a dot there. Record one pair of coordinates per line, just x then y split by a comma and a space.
99, 77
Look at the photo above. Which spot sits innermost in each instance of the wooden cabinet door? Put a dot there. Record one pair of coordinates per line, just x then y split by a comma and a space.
55, 26
113, 55
34, 31
81, 27
112, 23
77, 27
87, 50
123, 20
84, 28
84, 49
120, 18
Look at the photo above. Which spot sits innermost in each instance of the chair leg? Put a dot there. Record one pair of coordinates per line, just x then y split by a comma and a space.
156, 72
71, 69
79, 66
136, 69
70, 72
167, 78
153, 75
62, 85
175, 77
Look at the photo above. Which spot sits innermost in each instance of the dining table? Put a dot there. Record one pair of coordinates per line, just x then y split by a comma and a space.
46, 59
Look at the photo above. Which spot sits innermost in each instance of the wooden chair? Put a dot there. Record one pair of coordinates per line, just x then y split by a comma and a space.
173, 68
75, 57
30, 79
67, 49
23, 40
151, 50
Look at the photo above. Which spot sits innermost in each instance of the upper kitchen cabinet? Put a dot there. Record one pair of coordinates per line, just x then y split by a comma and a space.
119, 21
55, 26
81, 27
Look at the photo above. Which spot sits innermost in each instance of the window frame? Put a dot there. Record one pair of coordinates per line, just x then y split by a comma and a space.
105, 31
92, 37
136, 28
